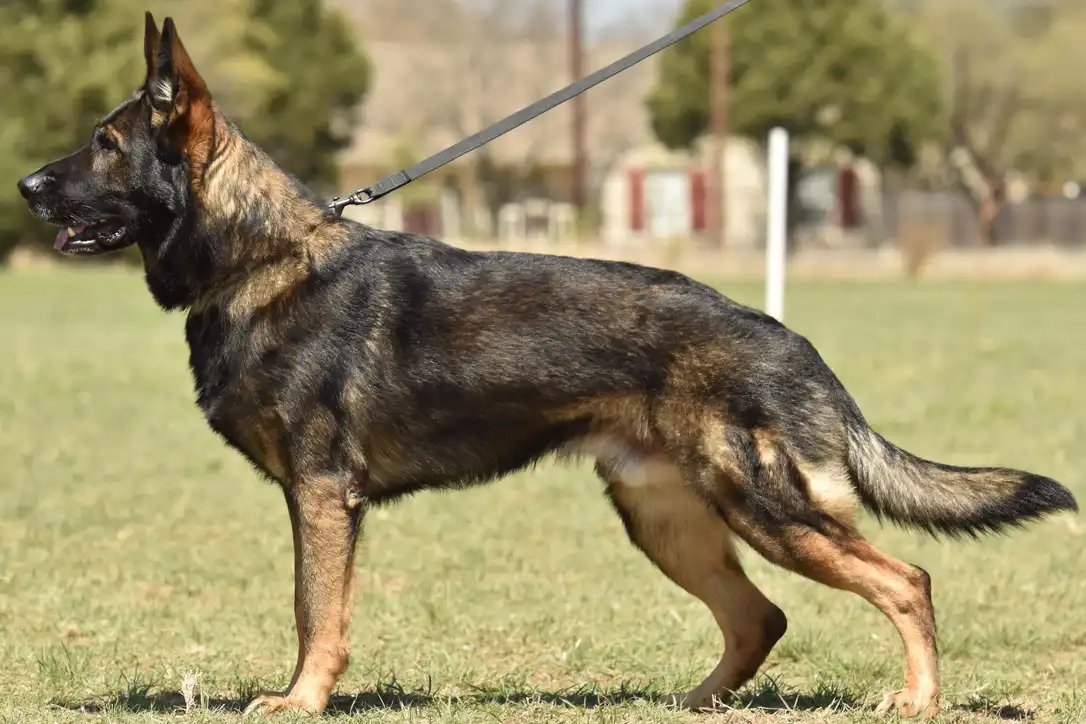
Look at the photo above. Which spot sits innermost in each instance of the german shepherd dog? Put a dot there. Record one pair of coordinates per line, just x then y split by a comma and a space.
353, 366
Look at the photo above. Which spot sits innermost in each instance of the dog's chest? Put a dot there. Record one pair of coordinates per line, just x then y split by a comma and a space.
239, 392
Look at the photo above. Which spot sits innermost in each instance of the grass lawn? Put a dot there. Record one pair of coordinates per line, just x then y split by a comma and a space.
136, 549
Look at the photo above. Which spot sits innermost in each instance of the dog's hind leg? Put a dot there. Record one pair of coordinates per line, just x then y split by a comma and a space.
691, 544
773, 510
902, 592
325, 528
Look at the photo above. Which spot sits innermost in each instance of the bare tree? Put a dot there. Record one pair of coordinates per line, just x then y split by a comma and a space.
452, 68
980, 117
1013, 100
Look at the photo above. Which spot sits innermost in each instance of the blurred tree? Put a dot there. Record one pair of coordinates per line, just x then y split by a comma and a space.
307, 118
287, 72
1049, 142
58, 72
840, 71
1014, 97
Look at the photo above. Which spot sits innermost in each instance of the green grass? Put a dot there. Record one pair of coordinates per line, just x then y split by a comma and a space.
136, 549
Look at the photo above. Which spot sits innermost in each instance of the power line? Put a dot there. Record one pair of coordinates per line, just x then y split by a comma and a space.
576, 33
719, 82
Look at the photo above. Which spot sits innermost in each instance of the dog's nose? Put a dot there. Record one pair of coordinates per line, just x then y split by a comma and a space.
35, 183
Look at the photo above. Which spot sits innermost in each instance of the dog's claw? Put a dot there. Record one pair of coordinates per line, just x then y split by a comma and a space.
908, 704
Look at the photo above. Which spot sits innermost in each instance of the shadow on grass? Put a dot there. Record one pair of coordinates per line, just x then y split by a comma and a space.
766, 696
391, 699
995, 710
161, 702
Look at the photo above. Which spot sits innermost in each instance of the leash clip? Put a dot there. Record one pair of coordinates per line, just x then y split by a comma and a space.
361, 197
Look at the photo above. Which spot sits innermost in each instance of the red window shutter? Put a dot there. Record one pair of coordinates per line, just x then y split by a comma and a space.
698, 199
637, 199
847, 198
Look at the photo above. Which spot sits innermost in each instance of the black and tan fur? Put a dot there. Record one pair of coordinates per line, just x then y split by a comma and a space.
353, 366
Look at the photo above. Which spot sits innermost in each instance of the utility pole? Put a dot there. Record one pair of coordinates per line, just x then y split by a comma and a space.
719, 83
576, 70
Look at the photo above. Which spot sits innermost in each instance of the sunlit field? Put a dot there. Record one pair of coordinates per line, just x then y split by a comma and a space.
136, 550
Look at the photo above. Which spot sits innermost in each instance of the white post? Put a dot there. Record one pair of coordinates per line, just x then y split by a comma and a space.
777, 222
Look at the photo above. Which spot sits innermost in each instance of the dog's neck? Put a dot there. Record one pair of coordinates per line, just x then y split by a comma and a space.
248, 207
253, 229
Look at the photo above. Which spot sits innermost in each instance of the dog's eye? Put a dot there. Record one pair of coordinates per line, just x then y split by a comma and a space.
106, 142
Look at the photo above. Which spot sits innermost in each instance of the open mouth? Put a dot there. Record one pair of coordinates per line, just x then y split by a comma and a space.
95, 238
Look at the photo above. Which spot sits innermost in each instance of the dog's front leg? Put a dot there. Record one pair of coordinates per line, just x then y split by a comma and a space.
325, 518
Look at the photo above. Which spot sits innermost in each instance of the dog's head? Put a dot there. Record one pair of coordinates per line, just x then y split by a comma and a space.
134, 180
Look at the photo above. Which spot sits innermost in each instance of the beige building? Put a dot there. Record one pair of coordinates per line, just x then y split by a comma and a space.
655, 194
442, 76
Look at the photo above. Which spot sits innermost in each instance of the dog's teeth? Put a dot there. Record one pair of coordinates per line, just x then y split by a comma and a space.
71, 231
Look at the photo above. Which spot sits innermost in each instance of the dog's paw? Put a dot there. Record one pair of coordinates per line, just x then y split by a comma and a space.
267, 704
908, 703
698, 702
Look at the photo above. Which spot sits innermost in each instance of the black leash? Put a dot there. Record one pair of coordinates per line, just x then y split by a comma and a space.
401, 178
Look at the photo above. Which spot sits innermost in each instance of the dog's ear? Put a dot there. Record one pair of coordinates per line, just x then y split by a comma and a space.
179, 97
151, 40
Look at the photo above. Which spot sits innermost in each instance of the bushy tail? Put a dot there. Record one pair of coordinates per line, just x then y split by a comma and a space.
945, 499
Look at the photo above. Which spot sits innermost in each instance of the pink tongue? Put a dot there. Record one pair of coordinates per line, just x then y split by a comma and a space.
64, 237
